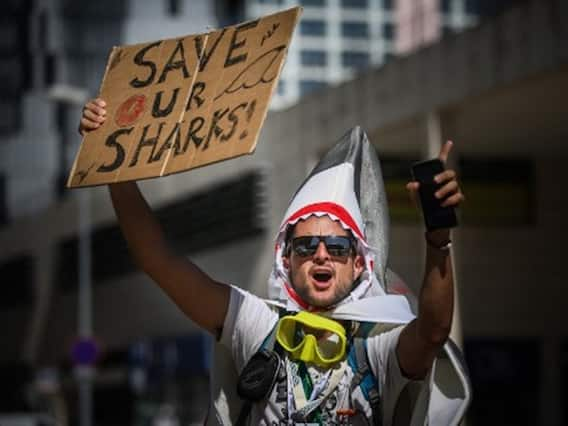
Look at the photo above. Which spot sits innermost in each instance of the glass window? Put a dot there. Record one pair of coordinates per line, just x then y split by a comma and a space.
312, 2
9, 112
355, 29
313, 57
18, 277
396, 171
448, 31
354, 3
498, 369
388, 56
387, 4
311, 27
446, 5
174, 7
388, 31
310, 86
355, 59
500, 191
472, 6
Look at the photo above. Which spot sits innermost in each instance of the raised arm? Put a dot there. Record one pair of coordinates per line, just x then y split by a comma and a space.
421, 340
201, 298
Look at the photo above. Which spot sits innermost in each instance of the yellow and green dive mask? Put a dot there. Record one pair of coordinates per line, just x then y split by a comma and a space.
297, 335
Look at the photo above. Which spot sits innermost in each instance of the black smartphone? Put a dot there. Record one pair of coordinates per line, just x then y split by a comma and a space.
435, 216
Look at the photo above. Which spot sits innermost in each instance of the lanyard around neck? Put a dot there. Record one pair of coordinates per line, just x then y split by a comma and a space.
305, 397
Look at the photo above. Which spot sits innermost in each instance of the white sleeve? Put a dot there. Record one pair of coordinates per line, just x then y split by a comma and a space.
247, 323
381, 350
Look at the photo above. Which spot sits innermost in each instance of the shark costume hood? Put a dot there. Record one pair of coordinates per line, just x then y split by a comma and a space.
347, 186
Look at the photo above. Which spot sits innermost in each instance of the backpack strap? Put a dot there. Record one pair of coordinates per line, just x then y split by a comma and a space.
363, 374
269, 344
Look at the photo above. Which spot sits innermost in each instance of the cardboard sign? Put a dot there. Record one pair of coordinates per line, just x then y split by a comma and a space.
177, 104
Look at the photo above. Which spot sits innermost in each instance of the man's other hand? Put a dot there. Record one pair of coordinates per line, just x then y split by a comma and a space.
450, 193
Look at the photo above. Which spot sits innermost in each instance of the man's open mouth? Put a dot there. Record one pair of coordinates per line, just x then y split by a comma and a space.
322, 277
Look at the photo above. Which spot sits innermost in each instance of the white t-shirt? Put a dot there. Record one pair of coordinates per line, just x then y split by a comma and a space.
249, 320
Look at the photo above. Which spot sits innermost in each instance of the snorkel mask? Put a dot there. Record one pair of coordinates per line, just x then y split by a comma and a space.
297, 335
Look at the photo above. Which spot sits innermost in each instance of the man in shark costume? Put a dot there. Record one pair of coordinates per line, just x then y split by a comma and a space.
346, 187
330, 258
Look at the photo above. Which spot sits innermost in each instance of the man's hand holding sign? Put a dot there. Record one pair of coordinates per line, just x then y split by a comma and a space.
189, 115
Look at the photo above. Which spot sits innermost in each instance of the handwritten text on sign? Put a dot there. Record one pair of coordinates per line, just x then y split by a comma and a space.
177, 104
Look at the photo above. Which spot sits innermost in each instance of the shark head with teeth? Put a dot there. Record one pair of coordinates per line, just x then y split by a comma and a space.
332, 193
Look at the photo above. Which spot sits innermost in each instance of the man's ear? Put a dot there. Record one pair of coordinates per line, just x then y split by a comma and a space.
286, 261
358, 265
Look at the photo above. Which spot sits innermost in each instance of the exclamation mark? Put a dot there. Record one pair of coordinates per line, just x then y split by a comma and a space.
249, 112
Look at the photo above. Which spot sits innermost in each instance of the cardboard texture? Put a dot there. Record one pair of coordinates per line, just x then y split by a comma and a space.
177, 104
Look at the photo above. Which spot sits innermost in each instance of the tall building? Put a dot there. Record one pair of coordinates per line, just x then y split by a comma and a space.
336, 39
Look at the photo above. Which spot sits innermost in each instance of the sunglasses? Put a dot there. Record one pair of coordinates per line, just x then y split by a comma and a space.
336, 245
